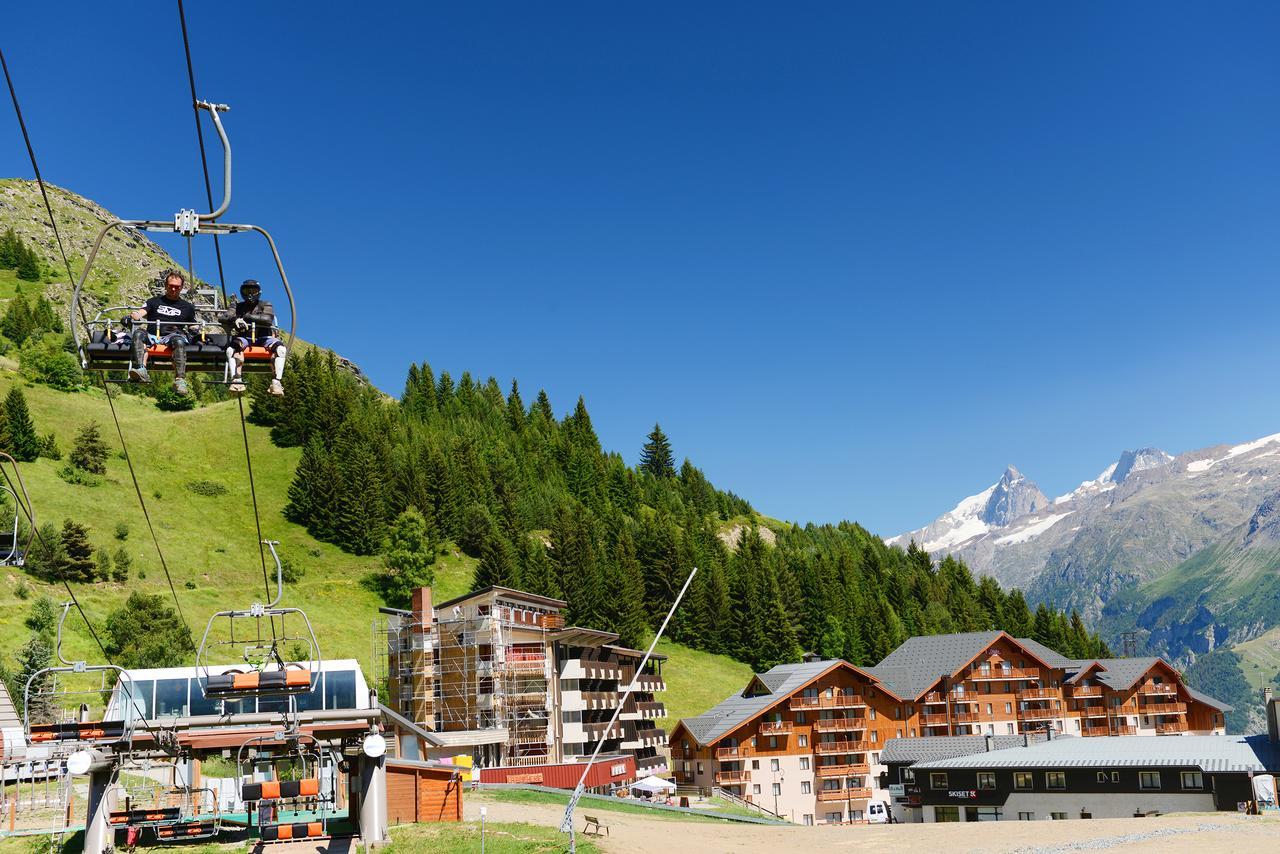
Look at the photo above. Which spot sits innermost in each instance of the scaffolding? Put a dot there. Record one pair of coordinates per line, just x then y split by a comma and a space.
479, 666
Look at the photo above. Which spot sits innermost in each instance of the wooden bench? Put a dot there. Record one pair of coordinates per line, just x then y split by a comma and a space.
592, 821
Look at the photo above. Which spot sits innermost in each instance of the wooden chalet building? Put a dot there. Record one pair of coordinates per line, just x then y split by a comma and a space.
804, 740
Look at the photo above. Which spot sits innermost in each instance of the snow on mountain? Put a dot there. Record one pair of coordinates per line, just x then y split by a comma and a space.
1008, 499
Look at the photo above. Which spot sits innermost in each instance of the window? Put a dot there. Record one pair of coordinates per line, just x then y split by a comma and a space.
989, 708
941, 814
340, 689
908, 776
873, 712
171, 697
1008, 708
1055, 780
1148, 779
1102, 776
773, 742
986, 780
982, 813
806, 788
1010, 729
875, 759
803, 740
699, 767
1026, 816
755, 789
808, 819
1058, 816
834, 817
804, 763
875, 736
913, 732
897, 712
800, 717
777, 789
1022, 781
911, 710
773, 765
1115, 776
1192, 780
899, 734
938, 780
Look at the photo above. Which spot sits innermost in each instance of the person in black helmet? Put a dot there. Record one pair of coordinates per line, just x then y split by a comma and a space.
252, 321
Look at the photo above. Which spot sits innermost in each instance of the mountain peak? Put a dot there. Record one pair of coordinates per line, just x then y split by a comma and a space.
1011, 497
1140, 460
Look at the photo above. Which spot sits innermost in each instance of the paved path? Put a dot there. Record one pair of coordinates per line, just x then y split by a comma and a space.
1189, 834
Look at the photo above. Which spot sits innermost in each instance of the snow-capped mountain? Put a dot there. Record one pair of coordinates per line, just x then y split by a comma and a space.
1143, 515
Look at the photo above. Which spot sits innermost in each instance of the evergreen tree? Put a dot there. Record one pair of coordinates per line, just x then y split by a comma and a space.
629, 615
17, 324
146, 632
361, 515
408, 558
23, 442
655, 457
104, 568
78, 563
499, 564
32, 657
43, 316
121, 564
9, 248
29, 265
47, 555
89, 452
42, 619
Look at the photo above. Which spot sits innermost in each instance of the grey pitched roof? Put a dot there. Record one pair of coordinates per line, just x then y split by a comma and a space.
1206, 752
1049, 656
712, 725
913, 667
1120, 673
1207, 700
930, 748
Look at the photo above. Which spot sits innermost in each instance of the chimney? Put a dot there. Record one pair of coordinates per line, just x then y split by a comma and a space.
1048, 733
1026, 740
1269, 707
421, 606
990, 741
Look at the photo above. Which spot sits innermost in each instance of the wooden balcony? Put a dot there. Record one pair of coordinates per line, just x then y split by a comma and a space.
1086, 691
1162, 709
965, 717
728, 753
826, 748
935, 720
775, 727
841, 770
732, 778
1153, 689
1170, 728
1124, 729
934, 697
1013, 674
1039, 714
1100, 729
1093, 710
684, 778
839, 724
1038, 694
841, 795
838, 701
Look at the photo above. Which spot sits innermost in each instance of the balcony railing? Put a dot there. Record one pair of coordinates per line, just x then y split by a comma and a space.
965, 717
1094, 710
1039, 714
935, 720
726, 753
1037, 694
838, 701
684, 778
1011, 674
1101, 729
775, 727
853, 794
1124, 729
732, 778
1162, 709
934, 697
839, 724
842, 770
826, 748
655, 734
1166, 729
1152, 688
1087, 691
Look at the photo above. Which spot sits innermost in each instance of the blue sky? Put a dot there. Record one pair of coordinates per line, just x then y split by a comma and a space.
856, 258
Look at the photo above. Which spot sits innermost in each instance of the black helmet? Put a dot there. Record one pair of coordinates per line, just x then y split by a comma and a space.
250, 289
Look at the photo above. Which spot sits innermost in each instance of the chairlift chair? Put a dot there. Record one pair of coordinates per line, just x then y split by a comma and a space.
173, 811
52, 692
262, 648
13, 552
307, 790
97, 341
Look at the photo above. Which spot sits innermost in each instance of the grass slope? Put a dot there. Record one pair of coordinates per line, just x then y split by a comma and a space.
697, 680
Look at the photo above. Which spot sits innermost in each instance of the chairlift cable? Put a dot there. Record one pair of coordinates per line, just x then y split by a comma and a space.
222, 283
145, 514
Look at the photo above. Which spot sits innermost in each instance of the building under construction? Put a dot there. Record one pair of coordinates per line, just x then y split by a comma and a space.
497, 673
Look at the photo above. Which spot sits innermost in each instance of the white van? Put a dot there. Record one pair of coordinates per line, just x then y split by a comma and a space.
877, 812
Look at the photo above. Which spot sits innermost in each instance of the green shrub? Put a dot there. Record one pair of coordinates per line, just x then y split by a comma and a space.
168, 400
206, 487
22, 590
122, 531
78, 476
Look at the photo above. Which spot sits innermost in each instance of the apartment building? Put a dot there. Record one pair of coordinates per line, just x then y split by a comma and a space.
497, 673
804, 740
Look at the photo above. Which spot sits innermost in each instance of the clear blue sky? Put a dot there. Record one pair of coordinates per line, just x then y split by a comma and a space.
855, 257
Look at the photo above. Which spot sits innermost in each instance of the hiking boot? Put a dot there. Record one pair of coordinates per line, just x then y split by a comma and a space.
180, 386
138, 375
276, 389
236, 388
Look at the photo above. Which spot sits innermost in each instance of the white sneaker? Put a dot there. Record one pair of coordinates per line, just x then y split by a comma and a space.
180, 386
276, 389
236, 387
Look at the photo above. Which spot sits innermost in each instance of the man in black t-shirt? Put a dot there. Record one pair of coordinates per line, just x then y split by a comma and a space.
164, 320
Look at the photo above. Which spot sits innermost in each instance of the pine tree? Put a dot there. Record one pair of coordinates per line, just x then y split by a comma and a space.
32, 657
515, 409
146, 632
46, 557
43, 316
105, 570
499, 564
9, 249
655, 456
537, 572
78, 564
29, 265
23, 442
17, 324
121, 564
361, 515
89, 451
629, 614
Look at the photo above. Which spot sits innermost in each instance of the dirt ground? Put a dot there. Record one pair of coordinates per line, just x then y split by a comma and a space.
634, 834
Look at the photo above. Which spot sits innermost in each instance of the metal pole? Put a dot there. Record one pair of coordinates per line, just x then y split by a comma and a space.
566, 825
483, 812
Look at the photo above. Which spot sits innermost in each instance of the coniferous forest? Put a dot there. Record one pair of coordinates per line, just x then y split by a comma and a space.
544, 508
